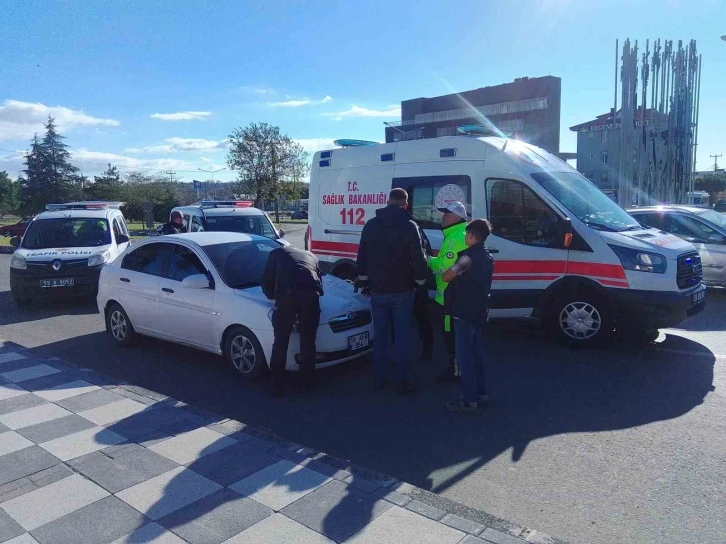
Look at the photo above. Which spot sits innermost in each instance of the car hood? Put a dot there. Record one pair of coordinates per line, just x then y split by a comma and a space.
649, 240
338, 299
62, 254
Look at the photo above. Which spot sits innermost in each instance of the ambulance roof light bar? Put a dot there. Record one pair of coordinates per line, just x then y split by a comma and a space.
226, 203
86, 205
354, 143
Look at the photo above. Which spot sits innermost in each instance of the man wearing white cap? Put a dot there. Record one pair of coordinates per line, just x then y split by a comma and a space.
453, 225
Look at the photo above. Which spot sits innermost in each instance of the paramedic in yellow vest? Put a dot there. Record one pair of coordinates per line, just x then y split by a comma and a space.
453, 225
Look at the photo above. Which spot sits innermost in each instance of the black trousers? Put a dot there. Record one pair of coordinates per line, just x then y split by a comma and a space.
445, 324
303, 307
423, 319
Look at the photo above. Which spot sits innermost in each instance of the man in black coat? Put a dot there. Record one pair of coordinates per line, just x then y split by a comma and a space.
292, 278
175, 224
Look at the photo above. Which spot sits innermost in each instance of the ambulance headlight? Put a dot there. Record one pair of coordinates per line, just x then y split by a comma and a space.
99, 258
18, 262
641, 261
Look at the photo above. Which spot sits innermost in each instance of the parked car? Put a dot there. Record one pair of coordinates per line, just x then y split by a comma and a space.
299, 214
18, 229
705, 229
203, 290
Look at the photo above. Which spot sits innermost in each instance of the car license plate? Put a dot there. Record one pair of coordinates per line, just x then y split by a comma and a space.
358, 341
699, 297
57, 282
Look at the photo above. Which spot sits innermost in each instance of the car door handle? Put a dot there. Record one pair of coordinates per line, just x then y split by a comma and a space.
167, 290
125, 280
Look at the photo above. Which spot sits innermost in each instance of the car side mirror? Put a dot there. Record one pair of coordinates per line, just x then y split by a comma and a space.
122, 239
566, 232
196, 281
281, 233
716, 239
15, 241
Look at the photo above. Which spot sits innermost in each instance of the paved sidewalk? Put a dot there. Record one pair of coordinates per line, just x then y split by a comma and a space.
85, 459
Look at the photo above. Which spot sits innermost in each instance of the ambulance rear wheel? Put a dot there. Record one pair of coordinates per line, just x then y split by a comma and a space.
581, 319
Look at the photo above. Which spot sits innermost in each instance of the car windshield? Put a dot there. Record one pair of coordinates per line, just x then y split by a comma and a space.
67, 232
241, 264
717, 218
585, 201
247, 224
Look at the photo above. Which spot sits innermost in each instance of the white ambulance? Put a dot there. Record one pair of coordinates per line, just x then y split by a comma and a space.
64, 249
564, 252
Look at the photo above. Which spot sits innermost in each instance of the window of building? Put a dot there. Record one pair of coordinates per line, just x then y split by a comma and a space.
603, 177
184, 262
588, 175
604, 157
422, 193
519, 215
589, 155
604, 136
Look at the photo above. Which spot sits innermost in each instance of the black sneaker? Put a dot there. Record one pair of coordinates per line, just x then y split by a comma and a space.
460, 406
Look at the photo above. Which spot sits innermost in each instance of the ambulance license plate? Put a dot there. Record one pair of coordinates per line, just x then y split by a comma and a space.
358, 341
58, 282
699, 297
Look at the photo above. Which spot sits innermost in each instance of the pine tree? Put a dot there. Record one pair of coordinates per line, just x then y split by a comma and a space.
63, 173
35, 184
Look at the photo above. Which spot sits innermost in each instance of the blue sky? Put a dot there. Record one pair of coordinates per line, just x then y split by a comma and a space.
161, 84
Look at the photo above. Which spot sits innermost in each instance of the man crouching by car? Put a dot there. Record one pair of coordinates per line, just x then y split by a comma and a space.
292, 279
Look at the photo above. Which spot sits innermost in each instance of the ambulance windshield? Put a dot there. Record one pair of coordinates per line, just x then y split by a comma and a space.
585, 201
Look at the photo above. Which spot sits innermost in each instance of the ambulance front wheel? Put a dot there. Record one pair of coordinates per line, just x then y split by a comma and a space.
581, 319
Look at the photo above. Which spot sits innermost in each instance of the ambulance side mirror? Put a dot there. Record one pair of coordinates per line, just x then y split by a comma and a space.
566, 232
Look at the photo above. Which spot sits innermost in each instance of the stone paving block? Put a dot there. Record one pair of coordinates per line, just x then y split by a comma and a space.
168, 492
131, 466
10, 356
364, 484
126, 393
88, 401
110, 413
232, 464
102, 521
146, 421
20, 464
22, 539
11, 441
188, 447
53, 380
469, 539
77, 444
9, 528
400, 526
53, 501
50, 430
37, 371
152, 533
228, 426
34, 481
497, 537
215, 518
10, 390
325, 468
425, 510
20, 402
394, 497
66, 390
278, 529
280, 484
19, 364
154, 437
457, 522
33, 416
336, 510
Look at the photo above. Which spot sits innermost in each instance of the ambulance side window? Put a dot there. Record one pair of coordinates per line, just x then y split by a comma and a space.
422, 192
519, 215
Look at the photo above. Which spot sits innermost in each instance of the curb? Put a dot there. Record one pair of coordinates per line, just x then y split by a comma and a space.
477, 523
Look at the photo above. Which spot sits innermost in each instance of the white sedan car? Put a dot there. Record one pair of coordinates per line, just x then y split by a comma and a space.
203, 290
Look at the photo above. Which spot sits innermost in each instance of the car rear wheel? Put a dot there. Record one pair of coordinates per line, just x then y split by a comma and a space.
119, 325
581, 319
244, 354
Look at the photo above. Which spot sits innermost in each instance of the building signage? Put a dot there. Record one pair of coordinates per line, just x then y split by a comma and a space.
609, 126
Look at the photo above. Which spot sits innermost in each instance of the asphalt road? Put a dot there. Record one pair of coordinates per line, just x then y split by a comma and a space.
605, 446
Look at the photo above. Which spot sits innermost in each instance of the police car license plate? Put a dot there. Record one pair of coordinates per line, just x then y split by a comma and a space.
699, 297
58, 282
358, 341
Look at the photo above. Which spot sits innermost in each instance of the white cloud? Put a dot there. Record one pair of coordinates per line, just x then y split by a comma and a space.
357, 111
173, 145
313, 145
92, 161
20, 120
182, 116
301, 102
258, 90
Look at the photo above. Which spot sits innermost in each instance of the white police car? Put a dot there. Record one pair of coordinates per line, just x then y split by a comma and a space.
64, 249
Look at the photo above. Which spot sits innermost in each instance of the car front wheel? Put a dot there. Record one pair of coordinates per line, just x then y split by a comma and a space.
583, 319
119, 325
244, 354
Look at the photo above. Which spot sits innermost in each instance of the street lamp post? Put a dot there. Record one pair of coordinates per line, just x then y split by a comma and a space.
210, 172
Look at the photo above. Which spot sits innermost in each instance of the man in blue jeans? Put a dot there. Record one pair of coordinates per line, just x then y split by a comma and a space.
391, 263
466, 300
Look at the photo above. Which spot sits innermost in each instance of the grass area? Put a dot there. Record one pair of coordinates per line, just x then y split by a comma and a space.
4, 241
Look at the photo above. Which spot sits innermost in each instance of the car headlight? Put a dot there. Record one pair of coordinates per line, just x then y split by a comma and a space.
641, 261
18, 262
99, 258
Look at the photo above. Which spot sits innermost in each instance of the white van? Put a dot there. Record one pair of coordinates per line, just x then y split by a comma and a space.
564, 252
64, 249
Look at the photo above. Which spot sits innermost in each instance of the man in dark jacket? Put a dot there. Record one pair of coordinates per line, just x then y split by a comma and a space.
421, 309
175, 224
466, 299
391, 263
292, 278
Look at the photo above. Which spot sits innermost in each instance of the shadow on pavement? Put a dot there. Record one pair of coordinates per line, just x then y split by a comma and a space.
44, 308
